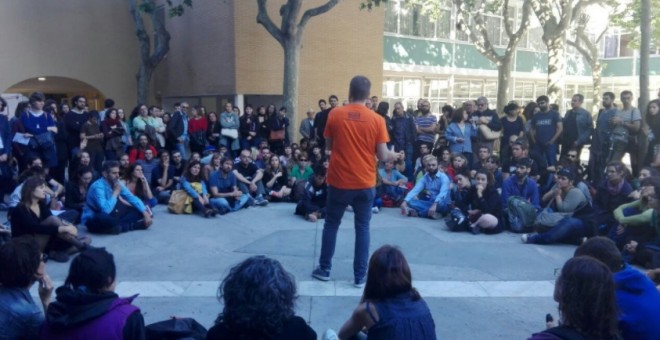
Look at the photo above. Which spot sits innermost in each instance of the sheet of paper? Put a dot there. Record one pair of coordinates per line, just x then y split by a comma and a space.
21, 139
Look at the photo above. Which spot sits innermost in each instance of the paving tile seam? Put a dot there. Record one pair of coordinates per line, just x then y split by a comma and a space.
428, 289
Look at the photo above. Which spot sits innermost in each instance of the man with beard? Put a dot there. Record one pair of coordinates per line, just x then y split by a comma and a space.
426, 125
321, 119
225, 195
73, 122
520, 197
110, 208
600, 146
430, 196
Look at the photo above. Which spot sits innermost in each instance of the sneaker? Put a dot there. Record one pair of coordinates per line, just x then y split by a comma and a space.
524, 238
359, 283
349, 208
474, 229
250, 202
320, 274
330, 335
261, 201
375, 210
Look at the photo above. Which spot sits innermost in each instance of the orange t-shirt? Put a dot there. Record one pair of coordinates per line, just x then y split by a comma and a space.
355, 132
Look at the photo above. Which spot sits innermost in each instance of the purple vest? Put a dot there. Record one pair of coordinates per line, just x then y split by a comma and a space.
108, 326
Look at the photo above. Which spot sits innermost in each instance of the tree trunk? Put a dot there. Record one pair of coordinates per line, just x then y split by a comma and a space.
597, 80
644, 52
503, 78
290, 82
143, 81
556, 63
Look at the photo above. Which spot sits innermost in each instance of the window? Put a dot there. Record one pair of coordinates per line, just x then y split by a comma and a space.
443, 30
536, 39
625, 51
392, 17
611, 46
494, 27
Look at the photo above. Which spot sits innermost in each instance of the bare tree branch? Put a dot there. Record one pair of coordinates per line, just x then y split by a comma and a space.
312, 12
264, 19
161, 37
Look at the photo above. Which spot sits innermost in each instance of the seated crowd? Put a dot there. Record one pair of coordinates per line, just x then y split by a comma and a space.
82, 167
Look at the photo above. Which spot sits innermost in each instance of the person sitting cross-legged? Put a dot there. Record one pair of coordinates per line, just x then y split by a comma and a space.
312, 206
225, 195
110, 208
435, 199
393, 182
249, 178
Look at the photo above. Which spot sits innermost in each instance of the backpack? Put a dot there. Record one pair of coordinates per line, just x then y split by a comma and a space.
521, 214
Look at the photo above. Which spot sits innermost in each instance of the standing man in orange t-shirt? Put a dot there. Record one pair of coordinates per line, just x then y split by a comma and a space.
354, 135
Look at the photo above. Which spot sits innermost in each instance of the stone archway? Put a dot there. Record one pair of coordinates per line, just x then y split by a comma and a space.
62, 89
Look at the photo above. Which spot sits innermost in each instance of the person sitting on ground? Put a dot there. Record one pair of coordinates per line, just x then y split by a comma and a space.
571, 202
585, 292
225, 196
646, 252
393, 183
519, 150
520, 198
249, 178
76, 191
276, 179
32, 217
22, 266
137, 152
258, 297
162, 178
124, 163
312, 206
485, 205
390, 308
111, 208
482, 157
302, 171
149, 163
418, 170
493, 167
214, 164
198, 197
645, 172
459, 164
87, 305
636, 295
434, 200
635, 218
611, 193
136, 182
263, 158
565, 163
53, 189
179, 166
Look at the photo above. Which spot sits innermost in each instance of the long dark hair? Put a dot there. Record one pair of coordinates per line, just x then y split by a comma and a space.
586, 296
189, 177
128, 177
30, 185
388, 275
259, 296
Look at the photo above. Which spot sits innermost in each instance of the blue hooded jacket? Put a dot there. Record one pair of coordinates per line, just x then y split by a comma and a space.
639, 305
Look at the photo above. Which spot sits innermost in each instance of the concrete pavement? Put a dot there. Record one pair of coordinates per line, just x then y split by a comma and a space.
477, 286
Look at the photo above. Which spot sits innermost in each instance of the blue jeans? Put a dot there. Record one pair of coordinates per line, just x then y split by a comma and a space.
569, 230
547, 151
422, 207
122, 215
338, 199
181, 147
246, 189
222, 204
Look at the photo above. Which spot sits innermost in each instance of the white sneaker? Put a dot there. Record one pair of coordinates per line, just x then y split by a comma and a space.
349, 208
330, 335
375, 210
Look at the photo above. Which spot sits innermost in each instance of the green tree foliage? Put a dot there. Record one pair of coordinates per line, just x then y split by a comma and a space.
628, 16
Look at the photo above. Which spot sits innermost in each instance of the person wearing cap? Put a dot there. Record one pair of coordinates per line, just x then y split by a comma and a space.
521, 185
571, 202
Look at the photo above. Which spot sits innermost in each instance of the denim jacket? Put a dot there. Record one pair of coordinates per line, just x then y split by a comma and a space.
437, 187
20, 317
585, 125
454, 131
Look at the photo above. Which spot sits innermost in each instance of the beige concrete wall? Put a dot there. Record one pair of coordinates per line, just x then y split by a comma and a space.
337, 45
91, 41
201, 57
